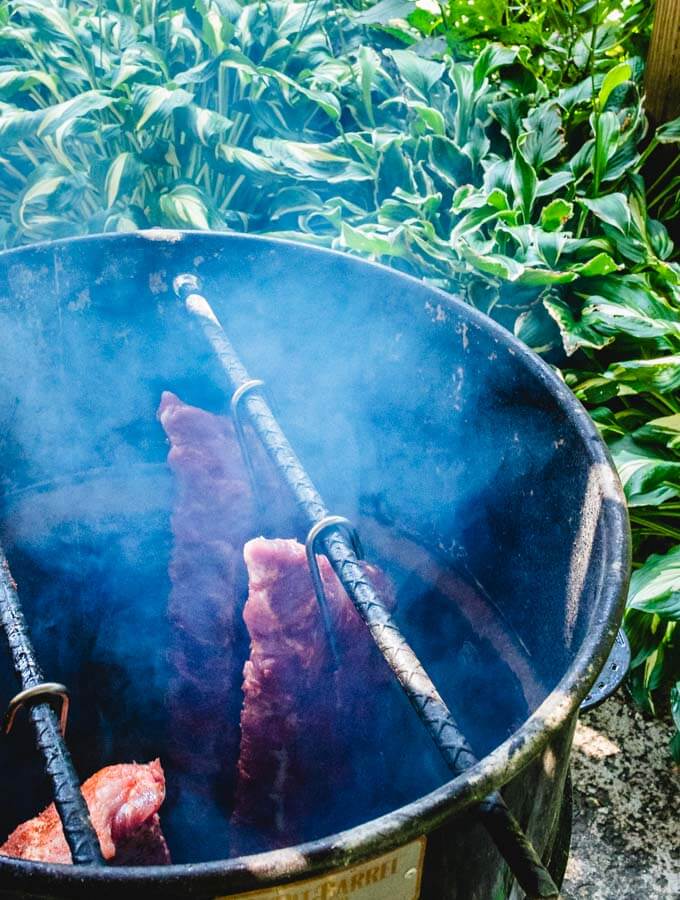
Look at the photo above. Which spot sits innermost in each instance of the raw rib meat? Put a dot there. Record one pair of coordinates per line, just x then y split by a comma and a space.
213, 516
123, 801
304, 730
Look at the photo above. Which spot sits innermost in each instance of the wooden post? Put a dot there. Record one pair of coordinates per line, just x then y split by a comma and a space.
662, 81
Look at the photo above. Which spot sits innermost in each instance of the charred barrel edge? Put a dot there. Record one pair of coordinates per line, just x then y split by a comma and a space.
521, 857
73, 812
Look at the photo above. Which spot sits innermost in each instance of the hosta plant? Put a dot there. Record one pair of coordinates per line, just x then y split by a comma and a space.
494, 177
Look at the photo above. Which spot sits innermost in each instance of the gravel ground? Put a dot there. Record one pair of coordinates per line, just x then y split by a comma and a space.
626, 840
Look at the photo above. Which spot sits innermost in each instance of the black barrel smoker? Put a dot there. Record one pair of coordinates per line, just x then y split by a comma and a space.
461, 459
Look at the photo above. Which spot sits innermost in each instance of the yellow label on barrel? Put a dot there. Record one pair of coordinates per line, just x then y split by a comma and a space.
394, 876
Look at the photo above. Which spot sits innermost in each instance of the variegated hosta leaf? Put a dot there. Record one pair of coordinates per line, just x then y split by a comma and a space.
543, 136
371, 242
612, 209
17, 124
131, 218
661, 375
419, 74
59, 120
41, 187
49, 19
139, 63
255, 164
669, 133
153, 104
324, 99
207, 125
122, 177
650, 317
15, 80
647, 478
217, 30
184, 206
576, 333
319, 162
664, 430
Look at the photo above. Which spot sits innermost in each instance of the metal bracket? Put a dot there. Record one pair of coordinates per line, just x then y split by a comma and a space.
46, 692
612, 674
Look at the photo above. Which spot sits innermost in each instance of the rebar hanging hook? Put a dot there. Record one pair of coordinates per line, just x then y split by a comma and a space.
328, 523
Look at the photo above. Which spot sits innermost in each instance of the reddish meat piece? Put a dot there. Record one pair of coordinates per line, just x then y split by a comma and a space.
304, 730
123, 801
213, 516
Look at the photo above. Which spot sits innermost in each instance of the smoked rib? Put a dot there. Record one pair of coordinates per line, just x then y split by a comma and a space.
213, 515
304, 728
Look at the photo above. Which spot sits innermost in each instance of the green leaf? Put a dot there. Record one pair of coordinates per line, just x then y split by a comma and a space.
556, 214
420, 74
312, 161
216, 30
661, 375
612, 209
669, 133
447, 162
368, 63
643, 316
601, 264
370, 241
385, 11
543, 138
607, 132
153, 104
205, 124
122, 177
655, 587
184, 206
493, 56
647, 478
614, 77
524, 183
664, 430
44, 183
492, 263
395, 170
675, 712
576, 333
508, 113
14, 80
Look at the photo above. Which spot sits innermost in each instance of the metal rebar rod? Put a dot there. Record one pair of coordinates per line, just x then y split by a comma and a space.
73, 812
501, 824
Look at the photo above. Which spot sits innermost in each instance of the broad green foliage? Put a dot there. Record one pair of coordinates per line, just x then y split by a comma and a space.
493, 149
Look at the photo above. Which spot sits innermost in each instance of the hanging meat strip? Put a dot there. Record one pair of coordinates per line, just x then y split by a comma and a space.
305, 731
123, 801
212, 518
